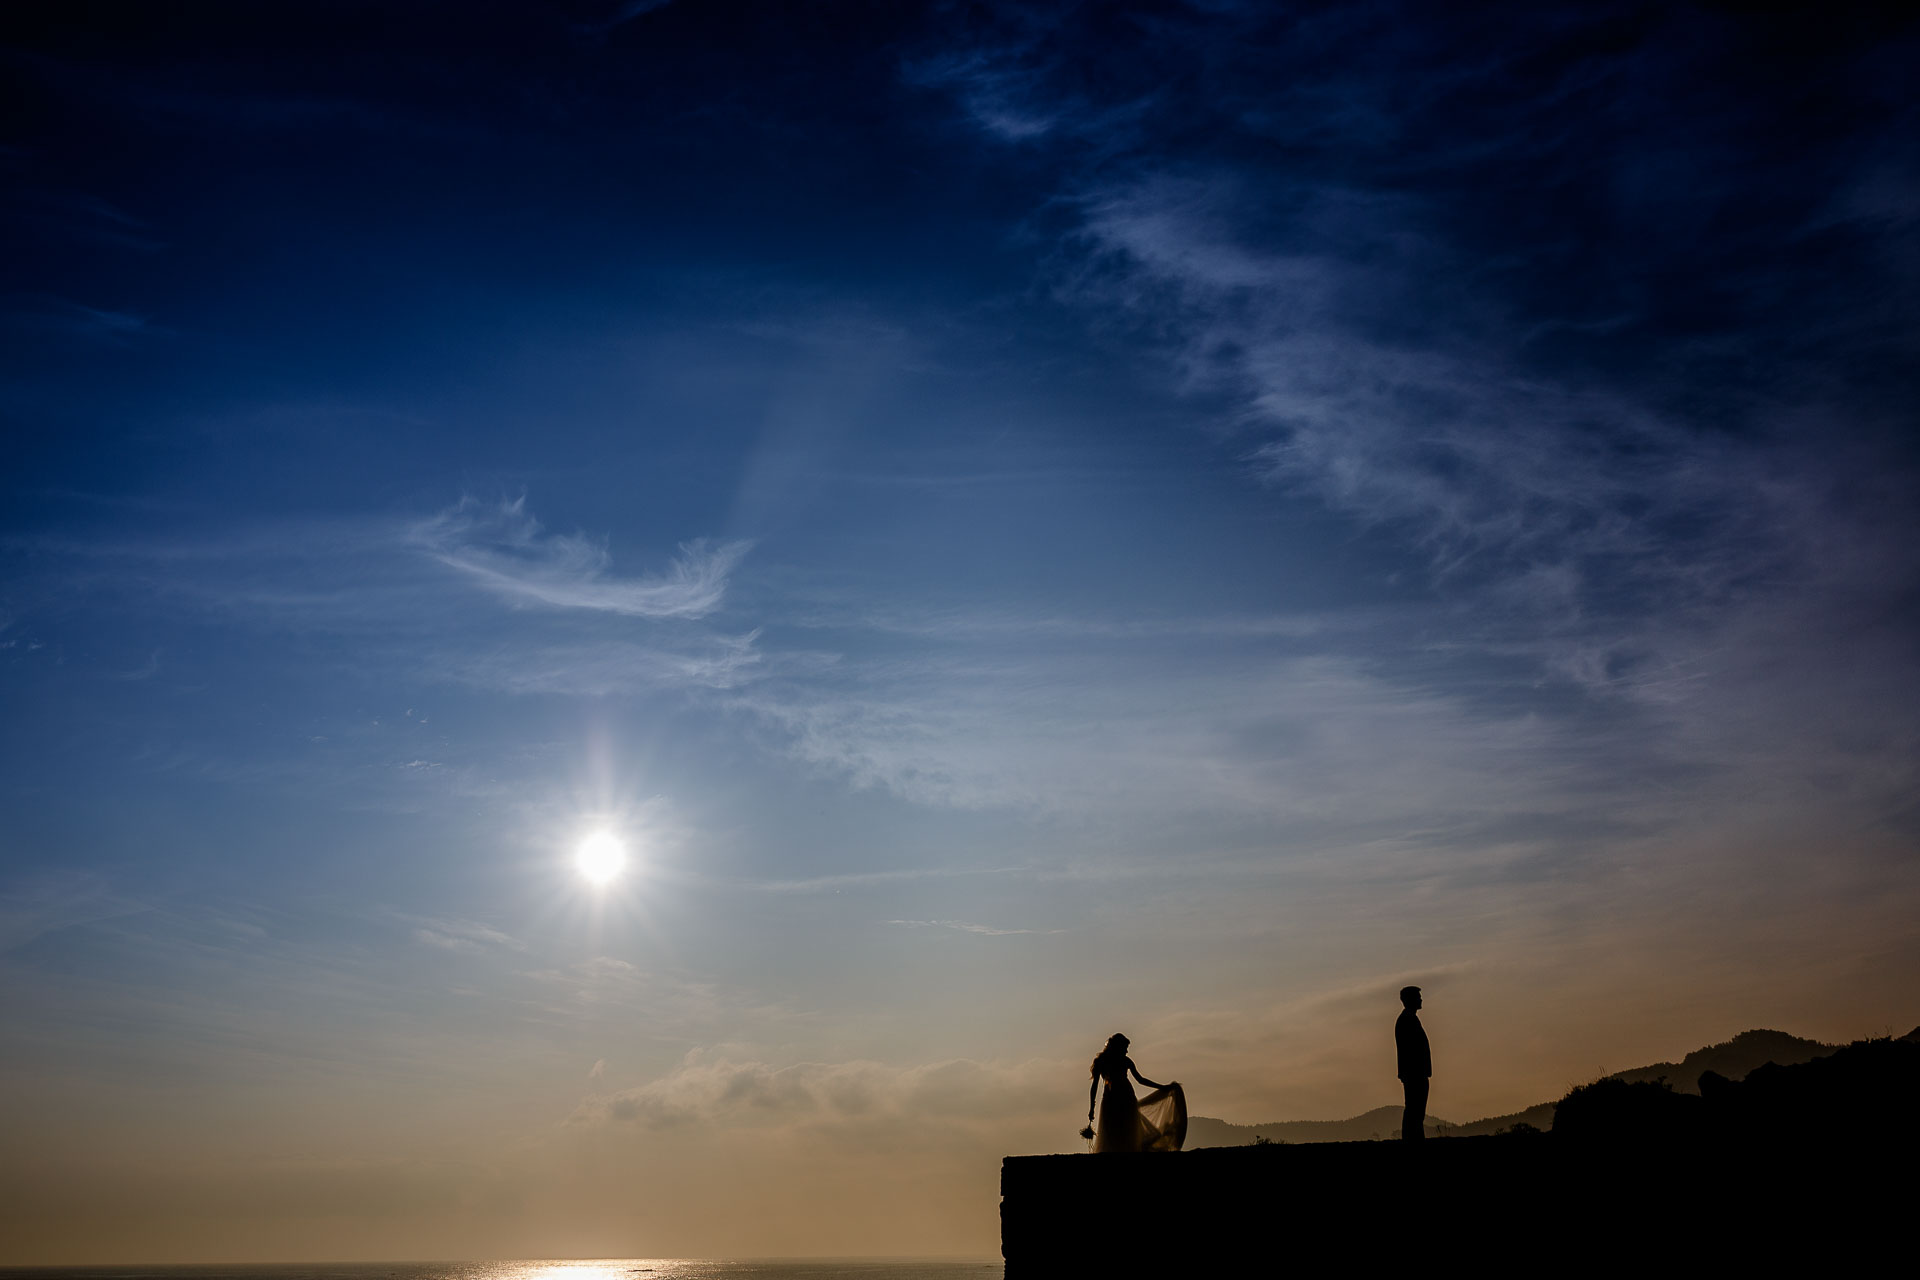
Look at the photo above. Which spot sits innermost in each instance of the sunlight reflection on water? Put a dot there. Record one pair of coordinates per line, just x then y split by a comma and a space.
714, 1269
589, 1270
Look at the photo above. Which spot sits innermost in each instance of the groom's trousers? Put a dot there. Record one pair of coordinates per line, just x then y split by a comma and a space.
1413, 1121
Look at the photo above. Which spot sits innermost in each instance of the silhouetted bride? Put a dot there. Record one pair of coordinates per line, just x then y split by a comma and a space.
1157, 1122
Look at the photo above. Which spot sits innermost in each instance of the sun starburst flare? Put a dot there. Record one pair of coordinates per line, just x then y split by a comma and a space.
601, 858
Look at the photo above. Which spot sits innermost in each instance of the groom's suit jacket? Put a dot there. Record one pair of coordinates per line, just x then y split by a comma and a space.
1410, 1038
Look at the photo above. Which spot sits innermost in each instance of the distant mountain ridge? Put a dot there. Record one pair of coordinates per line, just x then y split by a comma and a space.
1733, 1059
1205, 1131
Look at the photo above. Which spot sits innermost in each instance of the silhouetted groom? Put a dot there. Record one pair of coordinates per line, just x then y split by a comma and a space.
1416, 1065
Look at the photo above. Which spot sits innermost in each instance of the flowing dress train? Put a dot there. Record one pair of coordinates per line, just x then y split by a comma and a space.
1157, 1122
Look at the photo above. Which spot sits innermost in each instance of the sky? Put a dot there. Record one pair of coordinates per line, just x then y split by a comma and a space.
1028, 520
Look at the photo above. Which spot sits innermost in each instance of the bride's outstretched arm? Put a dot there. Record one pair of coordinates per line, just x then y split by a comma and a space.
1142, 1079
1093, 1087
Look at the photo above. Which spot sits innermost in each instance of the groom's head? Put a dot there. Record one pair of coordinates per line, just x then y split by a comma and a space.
1410, 997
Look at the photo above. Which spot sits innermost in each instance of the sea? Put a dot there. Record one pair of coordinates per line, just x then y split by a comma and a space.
548, 1269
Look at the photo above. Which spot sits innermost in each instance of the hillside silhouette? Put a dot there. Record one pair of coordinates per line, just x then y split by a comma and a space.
1857, 1097
1731, 1059
1368, 1126
1734, 1059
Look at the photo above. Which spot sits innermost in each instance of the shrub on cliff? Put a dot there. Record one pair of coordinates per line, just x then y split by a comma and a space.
1612, 1112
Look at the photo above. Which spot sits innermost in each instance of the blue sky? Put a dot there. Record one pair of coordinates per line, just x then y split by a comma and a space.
1029, 519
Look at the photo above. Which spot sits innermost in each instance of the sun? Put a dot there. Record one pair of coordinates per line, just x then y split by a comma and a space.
601, 857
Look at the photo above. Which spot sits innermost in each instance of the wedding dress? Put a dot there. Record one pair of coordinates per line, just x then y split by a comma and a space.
1157, 1122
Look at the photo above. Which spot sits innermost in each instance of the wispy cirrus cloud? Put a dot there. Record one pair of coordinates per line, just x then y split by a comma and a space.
461, 935
1642, 455
1486, 326
575, 627
608, 666
1615, 536
1003, 97
51, 902
675, 1007
63, 318
967, 926
865, 879
506, 550
1251, 736
619, 16
1570, 489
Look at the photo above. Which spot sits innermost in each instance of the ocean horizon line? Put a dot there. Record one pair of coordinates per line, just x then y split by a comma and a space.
479, 1268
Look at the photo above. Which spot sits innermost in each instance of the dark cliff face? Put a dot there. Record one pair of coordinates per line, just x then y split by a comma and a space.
1543, 1203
